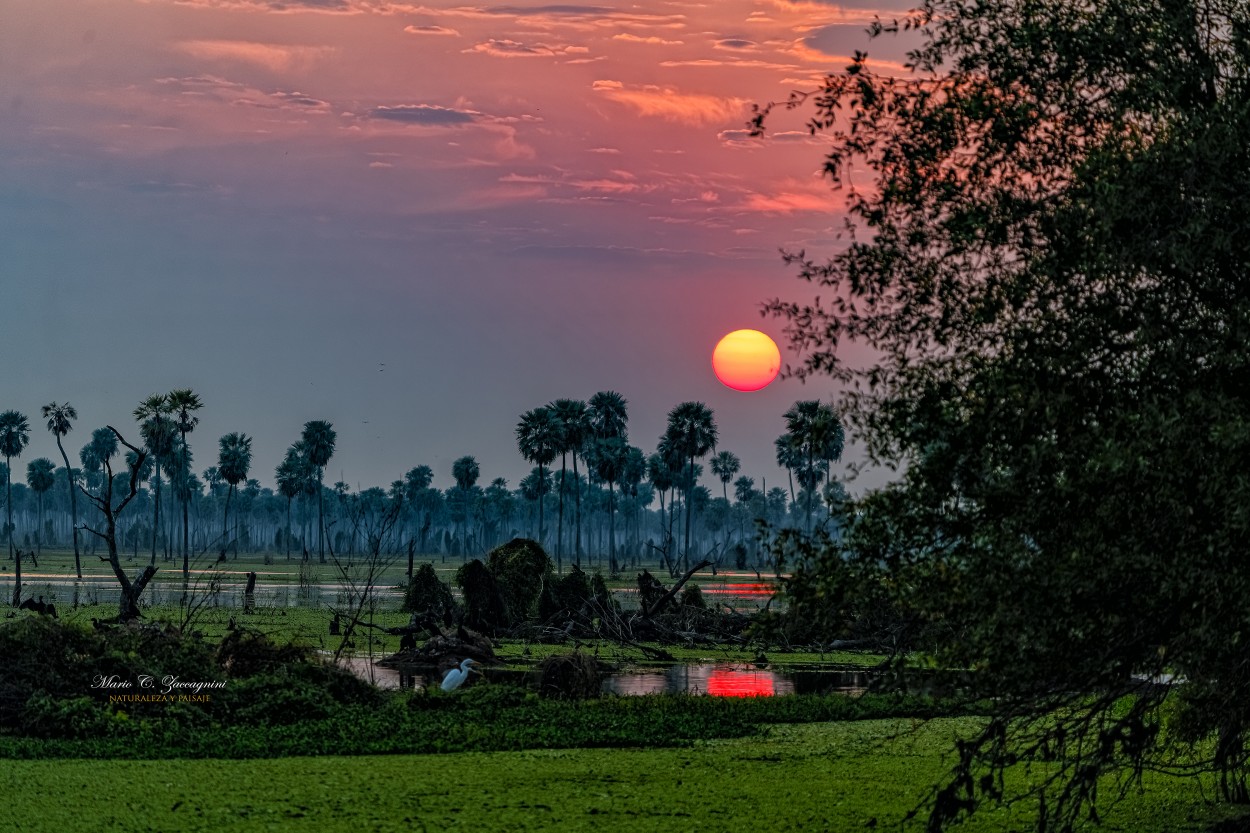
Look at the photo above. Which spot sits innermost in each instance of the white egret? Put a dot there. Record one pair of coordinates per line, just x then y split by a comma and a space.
455, 678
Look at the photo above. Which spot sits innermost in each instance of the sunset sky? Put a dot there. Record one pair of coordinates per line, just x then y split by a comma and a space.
415, 221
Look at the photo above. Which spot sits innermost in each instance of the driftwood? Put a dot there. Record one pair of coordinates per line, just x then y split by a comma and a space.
667, 597
446, 649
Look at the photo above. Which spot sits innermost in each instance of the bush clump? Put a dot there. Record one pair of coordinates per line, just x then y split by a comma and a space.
521, 567
484, 607
572, 676
426, 594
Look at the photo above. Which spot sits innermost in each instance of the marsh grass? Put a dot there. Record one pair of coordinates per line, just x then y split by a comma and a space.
850, 776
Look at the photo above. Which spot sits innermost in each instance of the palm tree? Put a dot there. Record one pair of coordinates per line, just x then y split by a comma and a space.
234, 458
606, 458
416, 488
60, 422
534, 485
183, 402
14, 435
725, 465
538, 437
607, 414
816, 434
289, 477
103, 447
466, 472
159, 434
660, 475
789, 457
40, 476
633, 470
691, 433
319, 438
573, 429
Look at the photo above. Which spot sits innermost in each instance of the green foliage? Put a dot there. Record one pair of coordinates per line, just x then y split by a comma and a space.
564, 594
484, 606
1046, 268
426, 593
520, 567
834, 776
572, 676
692, 597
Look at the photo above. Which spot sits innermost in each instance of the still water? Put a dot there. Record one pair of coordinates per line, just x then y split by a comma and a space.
715, 679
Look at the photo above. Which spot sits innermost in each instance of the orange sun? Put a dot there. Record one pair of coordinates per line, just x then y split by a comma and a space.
746, 360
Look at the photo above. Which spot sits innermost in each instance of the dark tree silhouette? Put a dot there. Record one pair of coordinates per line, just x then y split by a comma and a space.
466, 471
160, 436
40, 477
691, 433
60, 419
14, 435
539, 438
816, 436
233, 461
183, 403
319, 438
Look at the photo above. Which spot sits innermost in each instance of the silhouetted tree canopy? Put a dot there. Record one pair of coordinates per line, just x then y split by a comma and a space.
1046, 255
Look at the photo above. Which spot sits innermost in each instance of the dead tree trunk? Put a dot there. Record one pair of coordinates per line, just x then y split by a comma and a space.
131, 590
249, 593
663, 600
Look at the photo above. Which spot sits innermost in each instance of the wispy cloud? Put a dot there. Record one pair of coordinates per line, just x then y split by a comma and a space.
648, 39
516, 49
566, 15
672, 105
736, 63
429, 30
424, 114
288, 6
272, 56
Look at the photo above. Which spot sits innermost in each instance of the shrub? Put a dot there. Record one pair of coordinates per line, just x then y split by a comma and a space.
484, 608
426, 594
521, 567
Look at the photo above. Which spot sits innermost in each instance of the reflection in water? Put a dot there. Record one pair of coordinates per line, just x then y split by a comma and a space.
715, 679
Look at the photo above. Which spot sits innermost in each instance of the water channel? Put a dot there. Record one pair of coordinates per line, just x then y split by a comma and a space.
717, 679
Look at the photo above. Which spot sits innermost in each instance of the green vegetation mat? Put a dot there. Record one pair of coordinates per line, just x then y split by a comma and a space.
817, 777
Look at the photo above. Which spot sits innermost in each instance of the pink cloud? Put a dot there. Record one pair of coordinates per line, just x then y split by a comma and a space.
271, 56
671, 104
514, 49
430, 30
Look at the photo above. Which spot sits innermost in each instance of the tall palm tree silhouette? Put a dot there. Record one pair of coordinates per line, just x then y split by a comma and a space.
60, 422
183, 403
574, 428
14, 435
289, 477
606, 458
159, 433
466, 471
817, 436
789, 457
416, 490
691, 433
608, 417
319, 438
725, 465
234, 458
40, 477
538, 438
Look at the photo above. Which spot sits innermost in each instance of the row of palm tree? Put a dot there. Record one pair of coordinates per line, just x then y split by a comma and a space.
593, 433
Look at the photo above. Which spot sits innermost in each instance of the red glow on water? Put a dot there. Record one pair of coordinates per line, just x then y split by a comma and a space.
752, 589
733, 683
